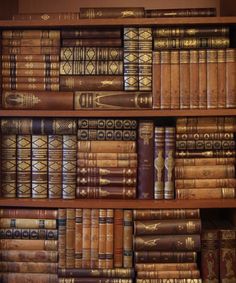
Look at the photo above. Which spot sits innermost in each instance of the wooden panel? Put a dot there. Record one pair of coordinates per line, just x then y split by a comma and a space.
8, 8
32, 6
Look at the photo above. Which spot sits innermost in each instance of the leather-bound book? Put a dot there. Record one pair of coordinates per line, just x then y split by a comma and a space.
23, 166
118, 237
94, 237
27, 223
86, 238
8, 166
107, 124
168, 274
27, 42
221, 80
18, 65
164, 257
230, 82
103, 32
47, 16
206, 153
31, 87
112, 146
69, 166
165, 79
30, 72
106, 181
106, 156
167, 243
39, 166
128, 239
206, 193
212, 75
205, 136
145, 159
110, 238
29, 256
29, 213
180, 12
107, 163
98, 83
202, 78
78, 237
26, 233
37, 100
159, 162
156, 79
13, 80
174, 80
164, 214
164, 267
205, 183
61, 237
109, 135
84, 172
16, 244
188, 280
94, 42
55, 166
32, 50
22, 267
205, 145
25, 277
70, 238
111, 12
102, 238
194, 79
184, 78
42, 59
162, 227
95, 280
25, 34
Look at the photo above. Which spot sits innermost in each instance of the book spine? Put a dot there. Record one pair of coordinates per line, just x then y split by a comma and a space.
107, 172
18, 65
15, 277
26, 233
205, 183
95, 280
16, 244
54, 166
118, 237
61, 238
39, 166
169, 274
48, 16
23, 166
159, 162
31, 87
107, 163
8, 166
193, 79
22, 223
93, 42
174, 80
189, 280
102, 227
30, 58
39, 81
86, 238
230, 82
128, 239
27, 42
205, 136
29, 72
167, 266
94, 238
158, 214
78, 237
156, 81
184, 77
99, 134
221, 78
28, 213
111, 147
183, 12
107, 124
39, 267
113, 181
29, 256
110, 238
69, 166
145, 159
205, 144
165, 79
30, 34
92, 33
202, 78
70, 238
212, 74
106, 156
205, 193
32, 50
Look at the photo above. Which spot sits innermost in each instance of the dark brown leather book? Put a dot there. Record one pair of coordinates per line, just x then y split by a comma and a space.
106, 156
105, 181
61, 237
17, 65
70, 238
174, 80
128, 239
108, 124
111, 12
159, 214
164, 257
28, 213
86, 239
168, 274
28, 42
109, 135
98, 83
181, 12
110, 238
106, 192
165, 80
94, 238
28, 256
30, 86
202, 78
205, 136
166, 266
109, 172
95, 280
107, 163
35, 80
30, 58
24, 34
221, 78
205, 145
166, 243
78, 237
194, 79
26, 233
206, 193
85, 53
27, 72
112, 100
69, 145
102, 238
54, 166
39, 126
47, 16
33, 50
27, 223
103, 32
145, 159
156, 81
205, 183
93, 42
230, 82
8, 166
16, 244
212, 75
162, 227
184, 78
21, 267
25, 277
37, 100
180, 31
118, 240
189, 280
112, 146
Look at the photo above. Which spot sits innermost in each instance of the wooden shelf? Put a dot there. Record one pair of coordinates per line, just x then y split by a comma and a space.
117, 113
119, 22
109, 203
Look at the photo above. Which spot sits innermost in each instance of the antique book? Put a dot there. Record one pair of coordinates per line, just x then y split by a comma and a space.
167, 243
102, 227
105, 181
98, 83
13, 80
205, 153
107, 123
156, 81
30, 34
30, 72
164, 257
205, 144
86, 53
94, 237
165, 79
39, 169
32, 50
202, 79
107, 163
47, 16
118, 240
230, 82
16, 244
128, 239
39, 126
96, 273
221, 78
86, 239
15, 66
29, 256
112, 146
205, 193
93, 42
145, 159
159, 162
159, 214
168, 274
78, 237
205, 183
69, 144
26, 267
28, 223
164, 267
70, 238
101, 134
27, 42
94, 280
111, 12
30, 58
189, 280
110, 239
205, 136
29, 213
181, 12
174, 80
25, 277
194, 79
162, 227
54, 166
112, 100
106, 156
37, 100
61, 237
184, 78
212, 75
26, 233
98, 32
85, 172
30, 86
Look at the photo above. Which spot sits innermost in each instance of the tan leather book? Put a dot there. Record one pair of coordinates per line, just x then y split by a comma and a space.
32, 50
156, 79
24, 223
70, 238
86, 238
163, 214
42, 59
29, 256
202, 78
184, 77
205, 193
112, 146
194, 79
174, 79
78, 237
106, 172
205, 183
28, 213
30, 86
15, 66
102, 227
22, 267
30, 34
61, 237
212, 75
165, 79
118, 237
107, 163
106, 156
128, 239
94, 237
169, 274
30, 72
166, 266
230, 82
106, 181
31, 79
15, 244
110, 238
25, 277
28, 42
221, 78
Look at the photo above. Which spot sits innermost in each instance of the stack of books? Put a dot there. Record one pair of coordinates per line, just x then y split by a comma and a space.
205, 158
29, 239
165, 244
107, 158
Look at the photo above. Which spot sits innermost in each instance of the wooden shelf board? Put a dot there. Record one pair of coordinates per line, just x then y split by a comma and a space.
105, 203
117, 113
118, 22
